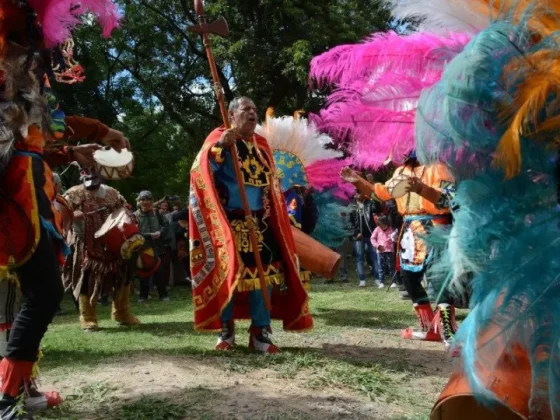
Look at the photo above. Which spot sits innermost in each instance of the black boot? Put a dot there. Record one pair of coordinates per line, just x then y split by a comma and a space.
447, 322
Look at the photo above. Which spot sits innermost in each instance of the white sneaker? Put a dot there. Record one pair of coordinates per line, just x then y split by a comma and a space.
380, 285
393, 285
362, 283
262, 342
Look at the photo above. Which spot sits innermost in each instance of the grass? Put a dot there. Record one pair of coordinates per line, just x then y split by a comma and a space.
340, 353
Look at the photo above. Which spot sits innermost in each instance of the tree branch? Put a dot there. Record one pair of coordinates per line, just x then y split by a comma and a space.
228, 93
167, 103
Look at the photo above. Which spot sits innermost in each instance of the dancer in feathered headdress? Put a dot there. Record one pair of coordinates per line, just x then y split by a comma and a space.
33, 47
314, 198
494, 119
378, 86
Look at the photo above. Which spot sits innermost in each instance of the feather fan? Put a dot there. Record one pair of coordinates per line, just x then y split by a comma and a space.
472, 16
458, 118
537, 78
442, 16
303, 158
378, 85
500, 95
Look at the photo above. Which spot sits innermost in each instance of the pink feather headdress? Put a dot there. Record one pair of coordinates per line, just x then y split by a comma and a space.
377, 87
59, 17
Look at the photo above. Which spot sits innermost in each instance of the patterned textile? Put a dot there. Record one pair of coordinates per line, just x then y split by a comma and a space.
27, 194
268, 248
89, 261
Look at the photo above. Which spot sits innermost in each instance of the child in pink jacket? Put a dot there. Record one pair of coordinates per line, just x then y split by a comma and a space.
382, 242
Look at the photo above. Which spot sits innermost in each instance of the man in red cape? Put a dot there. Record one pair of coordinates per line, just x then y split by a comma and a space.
226, 283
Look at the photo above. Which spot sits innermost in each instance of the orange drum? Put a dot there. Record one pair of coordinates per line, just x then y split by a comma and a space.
122, 237
147, 262
507, 373
314, 256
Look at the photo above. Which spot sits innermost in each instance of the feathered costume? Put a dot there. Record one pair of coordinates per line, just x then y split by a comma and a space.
304, 162
472, 16
31, 245
224, 274
378, 84
494, 118
91, 269
377, 87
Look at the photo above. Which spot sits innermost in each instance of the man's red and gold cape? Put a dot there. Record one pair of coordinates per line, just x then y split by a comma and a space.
215, 265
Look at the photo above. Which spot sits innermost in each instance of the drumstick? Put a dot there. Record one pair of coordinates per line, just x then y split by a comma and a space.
96, 211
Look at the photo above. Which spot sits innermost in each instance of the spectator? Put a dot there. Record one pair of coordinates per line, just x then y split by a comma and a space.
361, 220
382, 241
182, 236
154, 227
396, 221
164, 208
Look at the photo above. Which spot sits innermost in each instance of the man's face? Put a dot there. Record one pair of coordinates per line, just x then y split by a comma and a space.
369, 177
244, 118
175, 208
164, 207
359, 197
146, 204
91, 181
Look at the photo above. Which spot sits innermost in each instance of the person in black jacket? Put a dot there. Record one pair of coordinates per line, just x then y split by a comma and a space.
362, 222
181, 218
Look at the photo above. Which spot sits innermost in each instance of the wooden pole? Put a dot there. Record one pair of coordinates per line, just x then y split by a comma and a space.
249, 219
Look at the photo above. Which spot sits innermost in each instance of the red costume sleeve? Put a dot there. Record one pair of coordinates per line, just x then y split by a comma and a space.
81, 128
55, 157
77, 129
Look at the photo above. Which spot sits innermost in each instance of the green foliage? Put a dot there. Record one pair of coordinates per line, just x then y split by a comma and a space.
151, 79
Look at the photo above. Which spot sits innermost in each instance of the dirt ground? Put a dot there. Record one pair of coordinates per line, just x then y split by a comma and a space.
211, 388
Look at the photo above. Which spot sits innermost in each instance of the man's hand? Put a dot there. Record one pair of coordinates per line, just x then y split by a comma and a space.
414, 185
359, 236
116, 140
380, 248
348, 175
229, 137
155, 235
83, 154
